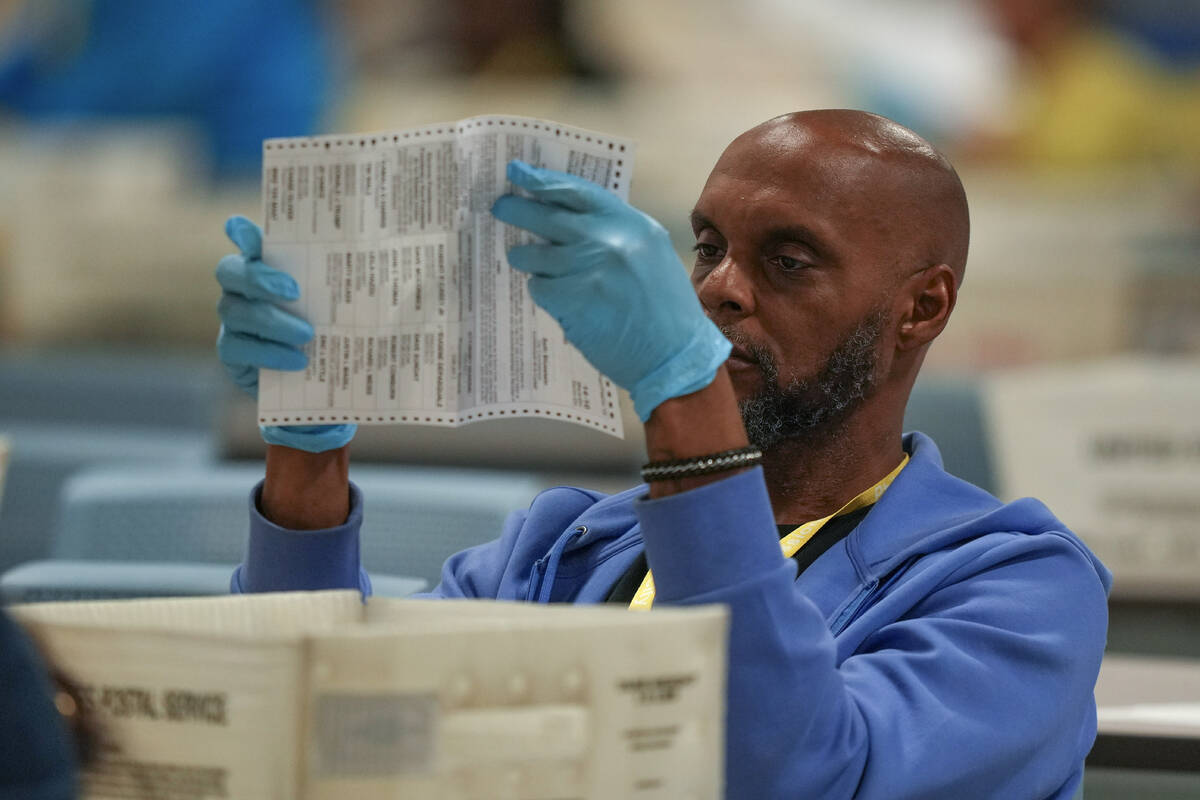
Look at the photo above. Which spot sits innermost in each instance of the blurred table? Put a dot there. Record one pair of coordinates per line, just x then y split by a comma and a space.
1149, 717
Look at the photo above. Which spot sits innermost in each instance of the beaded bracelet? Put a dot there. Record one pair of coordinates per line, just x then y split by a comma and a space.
701, 465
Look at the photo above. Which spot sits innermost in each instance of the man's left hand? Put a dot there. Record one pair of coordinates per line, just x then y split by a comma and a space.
609, 275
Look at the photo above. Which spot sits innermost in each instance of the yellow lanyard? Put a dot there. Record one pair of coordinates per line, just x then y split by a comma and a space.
643, 599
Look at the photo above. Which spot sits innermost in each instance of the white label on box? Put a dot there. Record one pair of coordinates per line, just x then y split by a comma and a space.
373, 735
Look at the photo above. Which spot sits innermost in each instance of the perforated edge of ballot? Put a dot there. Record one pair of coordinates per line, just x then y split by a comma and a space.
418, 317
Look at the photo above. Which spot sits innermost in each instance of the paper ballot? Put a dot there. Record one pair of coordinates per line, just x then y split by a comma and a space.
317, 696
419, 319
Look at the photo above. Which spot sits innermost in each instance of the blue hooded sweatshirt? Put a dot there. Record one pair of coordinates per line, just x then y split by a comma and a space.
946, 648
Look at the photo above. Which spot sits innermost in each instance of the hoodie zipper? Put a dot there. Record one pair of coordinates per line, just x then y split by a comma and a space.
866, 595
853, 607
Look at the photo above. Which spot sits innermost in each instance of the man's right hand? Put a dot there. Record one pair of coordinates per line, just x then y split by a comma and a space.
257, 333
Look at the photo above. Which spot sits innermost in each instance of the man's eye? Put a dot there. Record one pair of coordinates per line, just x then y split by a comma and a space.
706, 251
789, 264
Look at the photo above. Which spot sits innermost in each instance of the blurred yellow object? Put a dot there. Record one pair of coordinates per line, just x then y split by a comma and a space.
1097, 99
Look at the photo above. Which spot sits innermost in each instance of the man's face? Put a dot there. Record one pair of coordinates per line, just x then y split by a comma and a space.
810, 408
794, 264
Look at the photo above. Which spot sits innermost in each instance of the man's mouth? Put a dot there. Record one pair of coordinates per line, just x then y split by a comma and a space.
747, 360
740, 356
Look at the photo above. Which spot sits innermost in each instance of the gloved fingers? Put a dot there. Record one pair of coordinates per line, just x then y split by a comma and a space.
540, 289
238, 349
548, 291
244, 377
263, 320
549, 260
253, 279
559, 188
246, 235
555, 224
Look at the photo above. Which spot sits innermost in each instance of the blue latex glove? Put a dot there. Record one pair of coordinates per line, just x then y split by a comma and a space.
256, 333
609, 275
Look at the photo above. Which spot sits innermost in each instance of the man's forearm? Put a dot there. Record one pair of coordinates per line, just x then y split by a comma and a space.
306, 491
311, 491
696, 424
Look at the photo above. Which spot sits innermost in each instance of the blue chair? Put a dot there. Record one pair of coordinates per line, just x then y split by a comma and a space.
45, 455
186, 513
45, 581
415, 517
416, 520
950, 410
110, 388
64, 411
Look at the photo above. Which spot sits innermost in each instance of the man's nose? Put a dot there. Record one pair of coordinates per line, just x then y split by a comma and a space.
726, 292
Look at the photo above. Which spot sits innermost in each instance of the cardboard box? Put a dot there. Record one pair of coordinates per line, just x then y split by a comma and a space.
318, 695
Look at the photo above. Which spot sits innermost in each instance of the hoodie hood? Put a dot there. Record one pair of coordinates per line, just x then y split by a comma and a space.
926, 510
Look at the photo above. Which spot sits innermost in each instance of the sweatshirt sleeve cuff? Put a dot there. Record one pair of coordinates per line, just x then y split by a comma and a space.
283, 560
717, 535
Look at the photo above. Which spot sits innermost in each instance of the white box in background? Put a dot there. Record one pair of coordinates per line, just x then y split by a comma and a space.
1113, 448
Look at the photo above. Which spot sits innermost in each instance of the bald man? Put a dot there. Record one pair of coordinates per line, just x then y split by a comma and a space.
896, 632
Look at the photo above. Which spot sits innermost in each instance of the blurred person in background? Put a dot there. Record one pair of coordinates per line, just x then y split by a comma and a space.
1090, 94
1047, 83
240, 71
508, 40
518, 39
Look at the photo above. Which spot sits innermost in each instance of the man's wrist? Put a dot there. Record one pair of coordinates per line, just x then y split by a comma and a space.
687, 372
306, 491
692, 425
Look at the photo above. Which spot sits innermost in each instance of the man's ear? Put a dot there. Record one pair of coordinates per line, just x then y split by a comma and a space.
927, 299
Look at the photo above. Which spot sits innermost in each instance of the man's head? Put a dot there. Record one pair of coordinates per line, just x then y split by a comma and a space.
829, 249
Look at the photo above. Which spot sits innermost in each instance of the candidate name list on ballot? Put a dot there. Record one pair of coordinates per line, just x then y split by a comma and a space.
418, 317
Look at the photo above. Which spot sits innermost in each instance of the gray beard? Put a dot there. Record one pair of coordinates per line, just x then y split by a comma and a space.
811, 410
